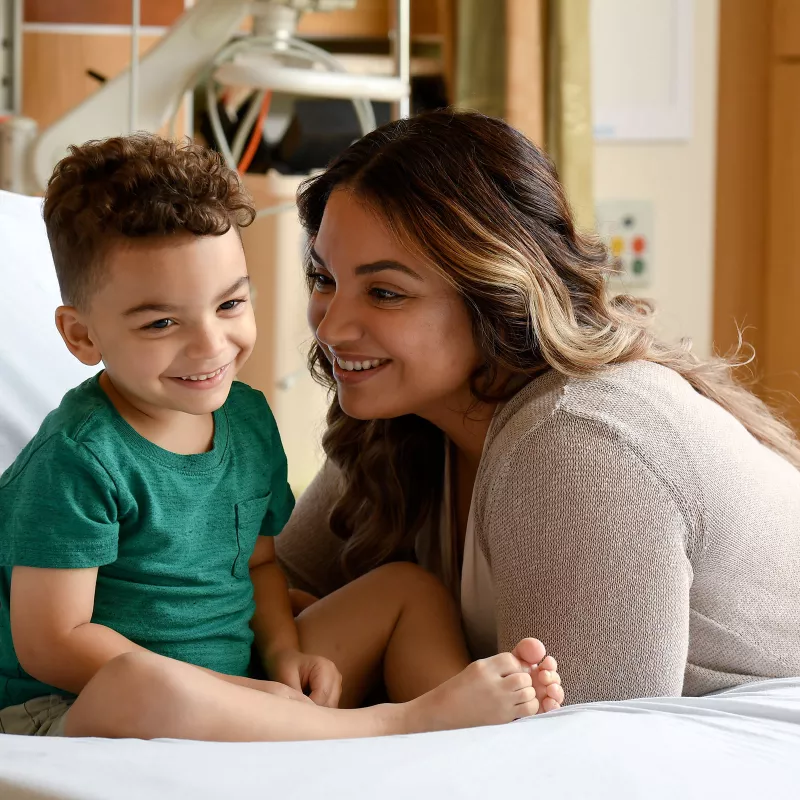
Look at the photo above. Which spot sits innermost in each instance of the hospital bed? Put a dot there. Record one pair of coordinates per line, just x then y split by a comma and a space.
744, 743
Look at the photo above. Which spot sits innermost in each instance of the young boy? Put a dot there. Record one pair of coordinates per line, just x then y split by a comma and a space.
136, 552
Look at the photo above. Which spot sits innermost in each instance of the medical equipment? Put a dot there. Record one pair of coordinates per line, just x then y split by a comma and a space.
203, 44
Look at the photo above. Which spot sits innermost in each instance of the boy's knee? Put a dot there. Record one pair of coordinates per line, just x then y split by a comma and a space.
124, 696
133, 674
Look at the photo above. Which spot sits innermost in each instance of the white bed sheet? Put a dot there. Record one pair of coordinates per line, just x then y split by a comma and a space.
36, 369
744, 743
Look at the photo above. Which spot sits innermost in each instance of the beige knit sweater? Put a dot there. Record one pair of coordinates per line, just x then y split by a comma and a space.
632, 525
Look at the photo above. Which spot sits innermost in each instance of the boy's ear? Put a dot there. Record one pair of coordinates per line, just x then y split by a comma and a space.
76, 336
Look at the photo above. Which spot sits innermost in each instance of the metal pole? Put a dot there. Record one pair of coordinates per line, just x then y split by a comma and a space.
16, 56
136, 20
401, 50
10, 56
188, 98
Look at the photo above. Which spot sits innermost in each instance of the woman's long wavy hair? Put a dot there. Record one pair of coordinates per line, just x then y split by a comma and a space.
475, 199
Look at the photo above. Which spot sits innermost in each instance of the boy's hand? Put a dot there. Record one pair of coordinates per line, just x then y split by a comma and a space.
303, 671
282, 690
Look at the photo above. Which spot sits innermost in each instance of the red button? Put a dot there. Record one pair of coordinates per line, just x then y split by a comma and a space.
638, 244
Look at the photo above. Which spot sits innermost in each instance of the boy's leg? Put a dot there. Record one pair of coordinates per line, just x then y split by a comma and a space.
400, 620
397, 617
146, 696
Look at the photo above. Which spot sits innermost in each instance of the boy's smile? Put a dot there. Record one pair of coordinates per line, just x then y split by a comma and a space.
171, 320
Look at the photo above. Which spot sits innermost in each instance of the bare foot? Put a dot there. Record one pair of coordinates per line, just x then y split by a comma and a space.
546, 680
488, 692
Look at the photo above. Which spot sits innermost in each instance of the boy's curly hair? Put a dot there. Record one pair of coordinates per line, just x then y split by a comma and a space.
131, 187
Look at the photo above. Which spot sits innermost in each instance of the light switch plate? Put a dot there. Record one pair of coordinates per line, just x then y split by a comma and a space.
627, 229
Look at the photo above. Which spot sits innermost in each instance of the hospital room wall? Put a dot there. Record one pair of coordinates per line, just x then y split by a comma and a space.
678, 178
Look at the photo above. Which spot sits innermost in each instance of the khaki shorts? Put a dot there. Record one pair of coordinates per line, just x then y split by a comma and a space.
42, 716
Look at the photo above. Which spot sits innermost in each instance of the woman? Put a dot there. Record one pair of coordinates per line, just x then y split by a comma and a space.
497, 416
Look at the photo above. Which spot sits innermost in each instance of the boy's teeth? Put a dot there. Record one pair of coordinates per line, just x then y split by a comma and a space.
359, 365
202, 377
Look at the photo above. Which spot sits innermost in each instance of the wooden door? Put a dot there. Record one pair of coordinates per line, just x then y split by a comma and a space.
757, 274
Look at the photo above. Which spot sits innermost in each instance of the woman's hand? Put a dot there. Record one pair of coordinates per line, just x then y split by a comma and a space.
302, 671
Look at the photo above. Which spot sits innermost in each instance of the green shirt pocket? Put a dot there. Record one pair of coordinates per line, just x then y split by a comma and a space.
249, 518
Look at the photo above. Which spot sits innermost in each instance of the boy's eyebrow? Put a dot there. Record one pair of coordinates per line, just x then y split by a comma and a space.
165, 308
375, 266
140, 309
239, 284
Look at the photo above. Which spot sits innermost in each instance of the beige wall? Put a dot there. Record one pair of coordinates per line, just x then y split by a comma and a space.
678, 178
274, 247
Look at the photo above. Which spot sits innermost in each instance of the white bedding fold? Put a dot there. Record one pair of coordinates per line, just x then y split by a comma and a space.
744, 743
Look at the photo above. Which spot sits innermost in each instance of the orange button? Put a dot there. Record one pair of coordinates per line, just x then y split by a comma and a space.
638, 245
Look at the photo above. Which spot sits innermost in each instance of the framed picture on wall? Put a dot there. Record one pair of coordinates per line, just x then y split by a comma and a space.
642, 64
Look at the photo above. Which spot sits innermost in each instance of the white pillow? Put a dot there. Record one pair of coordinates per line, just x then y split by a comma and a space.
36, 369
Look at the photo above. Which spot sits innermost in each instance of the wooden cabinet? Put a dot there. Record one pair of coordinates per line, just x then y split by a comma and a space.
55, 68
101, 12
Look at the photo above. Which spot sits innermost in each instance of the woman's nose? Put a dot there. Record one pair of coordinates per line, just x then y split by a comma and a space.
334, 321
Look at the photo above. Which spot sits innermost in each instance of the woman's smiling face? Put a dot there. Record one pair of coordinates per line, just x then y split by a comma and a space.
397, 333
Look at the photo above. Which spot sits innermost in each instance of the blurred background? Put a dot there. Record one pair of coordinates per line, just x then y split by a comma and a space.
675, 126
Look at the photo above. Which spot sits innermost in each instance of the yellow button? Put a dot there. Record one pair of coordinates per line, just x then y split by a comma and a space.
617, 246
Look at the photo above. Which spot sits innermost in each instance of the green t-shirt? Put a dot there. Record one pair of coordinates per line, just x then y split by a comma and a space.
171, 534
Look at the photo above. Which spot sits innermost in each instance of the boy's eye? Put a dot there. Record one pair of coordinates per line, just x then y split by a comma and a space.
160, 325
228, 305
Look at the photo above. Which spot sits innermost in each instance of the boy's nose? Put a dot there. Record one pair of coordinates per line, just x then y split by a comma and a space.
206, 343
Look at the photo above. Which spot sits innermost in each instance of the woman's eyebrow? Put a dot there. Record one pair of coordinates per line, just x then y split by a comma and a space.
374, 267
387, 264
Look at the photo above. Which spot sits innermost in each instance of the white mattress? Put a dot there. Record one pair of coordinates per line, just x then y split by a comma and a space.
35, 367
744, 743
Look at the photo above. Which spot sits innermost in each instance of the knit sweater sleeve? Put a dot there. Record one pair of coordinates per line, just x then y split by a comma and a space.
587, 550
307, 549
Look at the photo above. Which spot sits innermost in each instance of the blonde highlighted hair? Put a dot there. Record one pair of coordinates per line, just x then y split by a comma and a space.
473, 197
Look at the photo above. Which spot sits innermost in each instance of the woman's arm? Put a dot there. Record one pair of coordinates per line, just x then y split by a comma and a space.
307, 551
587, 549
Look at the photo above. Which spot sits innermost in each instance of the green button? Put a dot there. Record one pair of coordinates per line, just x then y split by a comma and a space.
638, 266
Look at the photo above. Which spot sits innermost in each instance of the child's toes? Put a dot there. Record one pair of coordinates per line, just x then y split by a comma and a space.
555, 692
547, 684
548, 704
530, 651
548, 663
544, 677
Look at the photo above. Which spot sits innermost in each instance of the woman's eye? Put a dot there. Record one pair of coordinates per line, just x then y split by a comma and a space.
385, 295
229, 305
319, 281
160, 325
